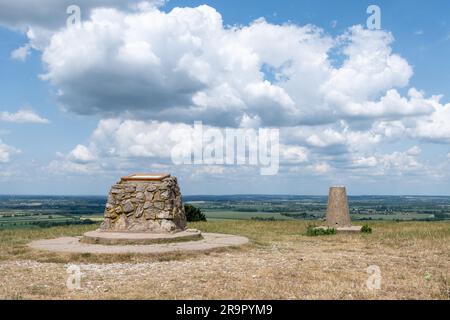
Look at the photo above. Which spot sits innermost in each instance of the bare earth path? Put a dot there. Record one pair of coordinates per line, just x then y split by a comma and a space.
280, 263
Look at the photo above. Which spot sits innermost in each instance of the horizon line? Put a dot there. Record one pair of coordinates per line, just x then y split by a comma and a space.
235, 195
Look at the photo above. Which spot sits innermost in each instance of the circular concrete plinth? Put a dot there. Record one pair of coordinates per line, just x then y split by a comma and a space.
128, 238
209, 242
352, 229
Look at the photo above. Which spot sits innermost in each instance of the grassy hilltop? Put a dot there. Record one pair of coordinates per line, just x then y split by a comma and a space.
280, 262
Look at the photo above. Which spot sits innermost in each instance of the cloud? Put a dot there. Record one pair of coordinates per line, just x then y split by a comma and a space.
39, 20
6, 152
21, 53
81, 155
149, 74
65, 167
414, 151
123, 145
400, 162
51, 14
167, 67
291, 154
23, 116
130, 143
370, 67
436, 126
210, 170
364, 162
322, 168
333, 139
397, 163
119, 146
134, 139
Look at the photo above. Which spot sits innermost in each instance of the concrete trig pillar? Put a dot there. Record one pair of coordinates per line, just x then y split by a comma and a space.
338, 214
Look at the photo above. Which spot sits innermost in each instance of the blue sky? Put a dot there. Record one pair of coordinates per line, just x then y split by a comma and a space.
79, 128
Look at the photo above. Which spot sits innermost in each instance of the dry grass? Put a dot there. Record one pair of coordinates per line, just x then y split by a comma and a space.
280, 263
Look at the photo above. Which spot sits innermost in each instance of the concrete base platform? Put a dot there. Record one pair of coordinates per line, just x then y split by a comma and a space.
352, 229
209, 242
129, 238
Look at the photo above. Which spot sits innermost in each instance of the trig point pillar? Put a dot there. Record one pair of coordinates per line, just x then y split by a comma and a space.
338, 214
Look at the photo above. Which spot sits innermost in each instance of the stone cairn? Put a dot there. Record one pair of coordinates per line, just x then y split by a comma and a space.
338, 214
145, 203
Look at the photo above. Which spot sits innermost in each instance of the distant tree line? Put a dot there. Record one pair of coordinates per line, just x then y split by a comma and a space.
49, 224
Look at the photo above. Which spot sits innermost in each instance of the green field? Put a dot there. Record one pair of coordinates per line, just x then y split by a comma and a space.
235, 215
33, 220
46, 211
24, 220
393, 216
28, 220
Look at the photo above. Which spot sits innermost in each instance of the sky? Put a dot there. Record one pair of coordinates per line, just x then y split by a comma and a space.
117, 92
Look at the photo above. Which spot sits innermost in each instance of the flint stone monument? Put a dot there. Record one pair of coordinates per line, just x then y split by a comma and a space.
144, 214
145, 203
143, 209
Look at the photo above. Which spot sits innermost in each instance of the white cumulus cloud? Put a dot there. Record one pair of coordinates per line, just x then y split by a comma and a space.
22, 116
435, 127
150, 74
185, 65
81, 154
6, 152
21, 53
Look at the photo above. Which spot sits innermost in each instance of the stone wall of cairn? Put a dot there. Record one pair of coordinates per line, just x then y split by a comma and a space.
145, 206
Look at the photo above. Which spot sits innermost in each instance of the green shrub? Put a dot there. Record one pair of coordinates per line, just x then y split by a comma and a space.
366, 229
313, 231
193, 214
